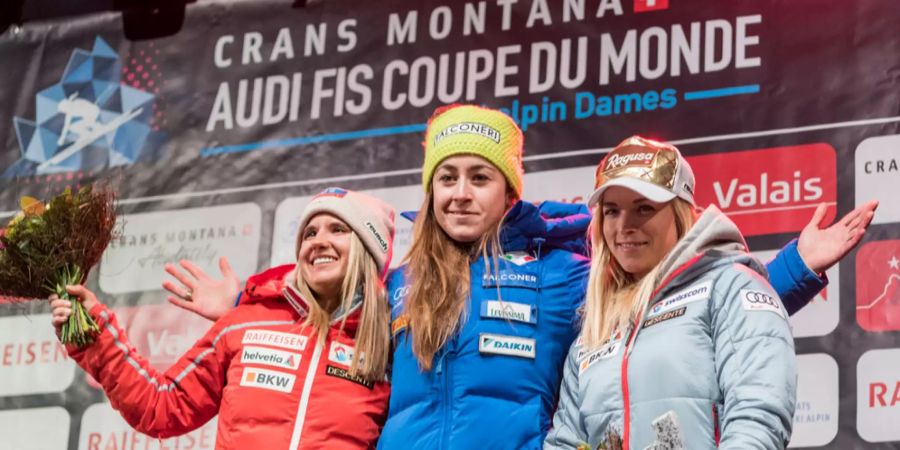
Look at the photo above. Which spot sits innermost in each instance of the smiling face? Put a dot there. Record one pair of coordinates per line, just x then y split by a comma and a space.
470, 197
638, 232
324, 252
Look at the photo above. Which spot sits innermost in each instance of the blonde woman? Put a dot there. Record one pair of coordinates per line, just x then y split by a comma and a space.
684, 343
299, 364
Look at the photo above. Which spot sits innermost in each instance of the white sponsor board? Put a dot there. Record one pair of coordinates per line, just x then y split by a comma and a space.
878, 176
878, 395
821, 315
31, 359
134, 262
573, 185
103, 428
284, 236
34, 429
816, 414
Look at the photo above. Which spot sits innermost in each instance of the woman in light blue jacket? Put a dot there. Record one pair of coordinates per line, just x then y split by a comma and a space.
684, 343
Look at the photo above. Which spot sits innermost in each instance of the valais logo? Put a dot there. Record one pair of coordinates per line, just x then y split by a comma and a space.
878, 286
771, 190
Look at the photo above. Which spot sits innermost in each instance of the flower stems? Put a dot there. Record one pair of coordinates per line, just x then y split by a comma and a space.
81, 327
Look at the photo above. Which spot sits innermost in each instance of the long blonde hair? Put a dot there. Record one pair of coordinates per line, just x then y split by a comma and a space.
372, 336
615, 298
440, 278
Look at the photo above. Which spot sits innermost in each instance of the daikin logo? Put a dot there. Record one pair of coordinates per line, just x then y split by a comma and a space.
86, 120
506, 345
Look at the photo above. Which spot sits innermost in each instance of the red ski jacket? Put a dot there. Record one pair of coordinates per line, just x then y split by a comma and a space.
272, 383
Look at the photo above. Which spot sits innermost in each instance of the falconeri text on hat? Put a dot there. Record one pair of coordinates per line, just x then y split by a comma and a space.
473, 130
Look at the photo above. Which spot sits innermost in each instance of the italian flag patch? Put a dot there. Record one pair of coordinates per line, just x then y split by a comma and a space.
519, 258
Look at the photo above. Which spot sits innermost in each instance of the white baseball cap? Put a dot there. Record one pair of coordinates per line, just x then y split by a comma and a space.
655, 170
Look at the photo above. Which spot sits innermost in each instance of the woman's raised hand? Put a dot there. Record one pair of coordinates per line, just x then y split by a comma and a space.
201, 294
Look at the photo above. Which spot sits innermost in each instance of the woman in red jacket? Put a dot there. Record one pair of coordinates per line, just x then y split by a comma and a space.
299, 364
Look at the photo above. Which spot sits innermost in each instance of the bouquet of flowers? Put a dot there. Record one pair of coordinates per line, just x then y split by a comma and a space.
49, 245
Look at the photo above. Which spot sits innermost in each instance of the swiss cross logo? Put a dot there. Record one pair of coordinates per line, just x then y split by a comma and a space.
878, 286
768, 191
650, 5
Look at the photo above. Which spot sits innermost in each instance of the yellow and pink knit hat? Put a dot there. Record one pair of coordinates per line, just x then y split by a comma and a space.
473, 130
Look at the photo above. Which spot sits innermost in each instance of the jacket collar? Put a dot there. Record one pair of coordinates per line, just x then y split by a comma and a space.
275, 283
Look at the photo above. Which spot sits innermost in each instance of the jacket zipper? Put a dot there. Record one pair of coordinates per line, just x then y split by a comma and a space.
304, 396
296, 300
442, 370
626, 415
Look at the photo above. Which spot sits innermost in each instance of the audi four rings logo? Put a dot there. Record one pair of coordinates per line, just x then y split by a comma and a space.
759, 297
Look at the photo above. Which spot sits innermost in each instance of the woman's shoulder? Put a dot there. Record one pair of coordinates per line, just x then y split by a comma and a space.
566, 262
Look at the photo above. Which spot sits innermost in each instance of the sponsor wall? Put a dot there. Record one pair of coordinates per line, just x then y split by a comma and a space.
217, 137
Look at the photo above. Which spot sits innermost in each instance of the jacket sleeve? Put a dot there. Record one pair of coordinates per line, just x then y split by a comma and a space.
755, 362
567, 432
157, 404
795, 283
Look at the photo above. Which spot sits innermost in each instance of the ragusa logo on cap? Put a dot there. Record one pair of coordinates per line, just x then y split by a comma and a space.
615, 161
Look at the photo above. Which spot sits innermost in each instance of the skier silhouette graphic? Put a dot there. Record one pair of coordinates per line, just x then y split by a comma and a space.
81, 117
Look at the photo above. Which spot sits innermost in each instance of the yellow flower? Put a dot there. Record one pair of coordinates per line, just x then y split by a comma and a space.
32, 206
